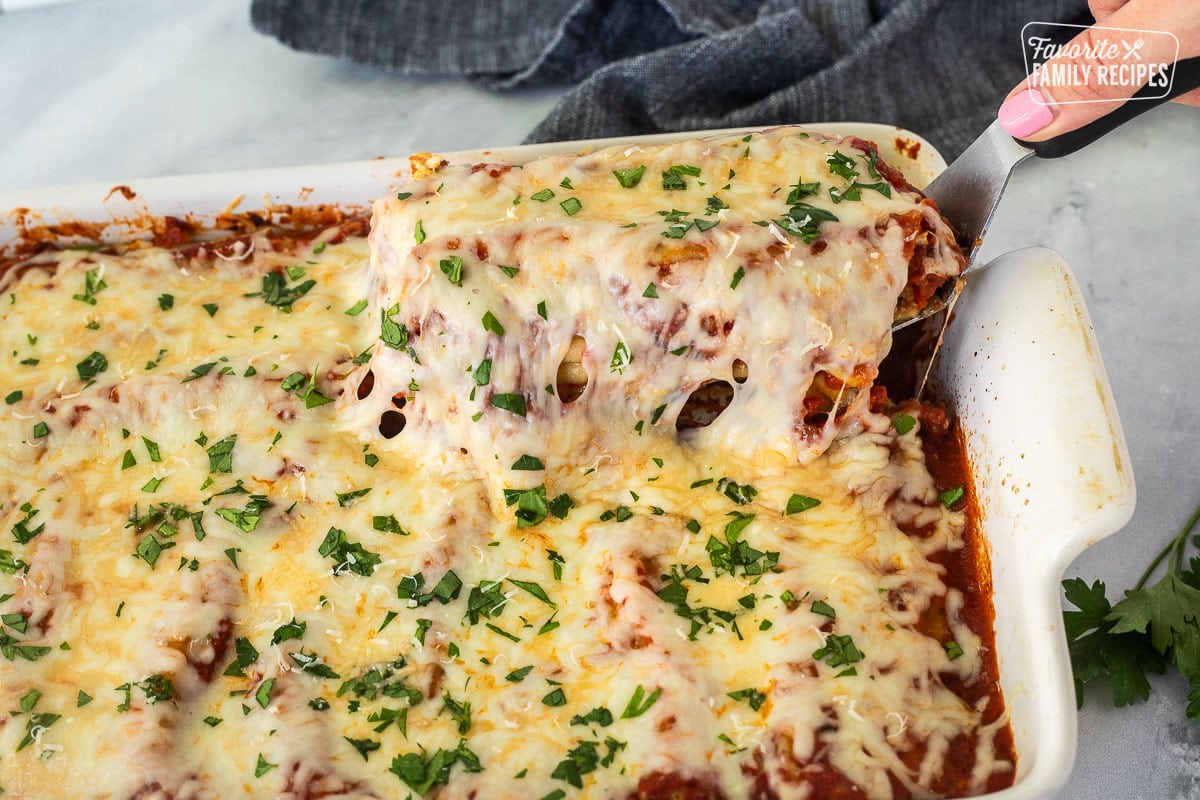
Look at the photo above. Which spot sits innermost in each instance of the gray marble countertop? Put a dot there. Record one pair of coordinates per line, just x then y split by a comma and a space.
114, 90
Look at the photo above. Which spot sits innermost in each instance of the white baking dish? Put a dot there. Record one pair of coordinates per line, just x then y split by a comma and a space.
1020, 367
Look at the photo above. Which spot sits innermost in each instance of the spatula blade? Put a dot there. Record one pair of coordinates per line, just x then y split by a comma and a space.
969, 190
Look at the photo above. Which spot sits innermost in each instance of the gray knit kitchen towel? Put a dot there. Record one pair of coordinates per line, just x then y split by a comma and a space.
937, 67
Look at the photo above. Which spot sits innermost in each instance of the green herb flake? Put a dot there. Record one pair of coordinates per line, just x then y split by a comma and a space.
528, 463
737, 278
640, 702
514, 403
356, 309
903, 423
838, 651
452, 268
824, 609
263, 766
220, 455
798, 503
951, 496
92, 283
621, 358
491, 324
95, 363
572, 206
629, 178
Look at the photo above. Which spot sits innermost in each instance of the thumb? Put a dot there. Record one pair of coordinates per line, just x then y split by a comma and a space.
1085, 80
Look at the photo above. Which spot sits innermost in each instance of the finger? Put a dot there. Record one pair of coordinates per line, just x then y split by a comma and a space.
1102, 9
1075, 87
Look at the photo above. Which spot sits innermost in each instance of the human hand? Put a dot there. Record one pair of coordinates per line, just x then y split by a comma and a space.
1037, 114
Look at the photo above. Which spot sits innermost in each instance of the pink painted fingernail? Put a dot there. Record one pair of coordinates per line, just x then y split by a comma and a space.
1026, 113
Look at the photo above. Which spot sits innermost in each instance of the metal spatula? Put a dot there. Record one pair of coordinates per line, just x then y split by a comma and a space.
969, 190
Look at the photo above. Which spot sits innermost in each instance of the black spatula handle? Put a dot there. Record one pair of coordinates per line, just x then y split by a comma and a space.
1187, 78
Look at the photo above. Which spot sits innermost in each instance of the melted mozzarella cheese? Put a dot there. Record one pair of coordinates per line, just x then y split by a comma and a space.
241, 590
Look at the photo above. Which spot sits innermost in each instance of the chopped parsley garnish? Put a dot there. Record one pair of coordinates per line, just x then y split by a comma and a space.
640, 702
95, 363
800, 502
483, 373
555, 698
246, 519
363, 746
150, 548
263, 695
620, 514
677, 223
421, 772
737, 277
388, 524
672, 178
356, 309
35, 726
541, 310
531, 505
262, 767
529, 463
534, 589
446, 590
629, 178
277, 293
542, 196
289, 630
394, 334
803, 220
740, 493
347, 498
841, 164
514, 403
166, 302
621, 358
491, 324
92, 283
452, 268
735, 552
801, 190
419, 233
651, 291
838, 651
518, 675
305, 387
459, 712
903, 423
953, 650
244, 655
753, 697
348, 556
597, 716
220, 455
951, 496
572, 206
211, 308
824, 609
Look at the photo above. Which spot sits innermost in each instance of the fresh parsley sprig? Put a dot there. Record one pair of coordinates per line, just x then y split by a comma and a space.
1149, 629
